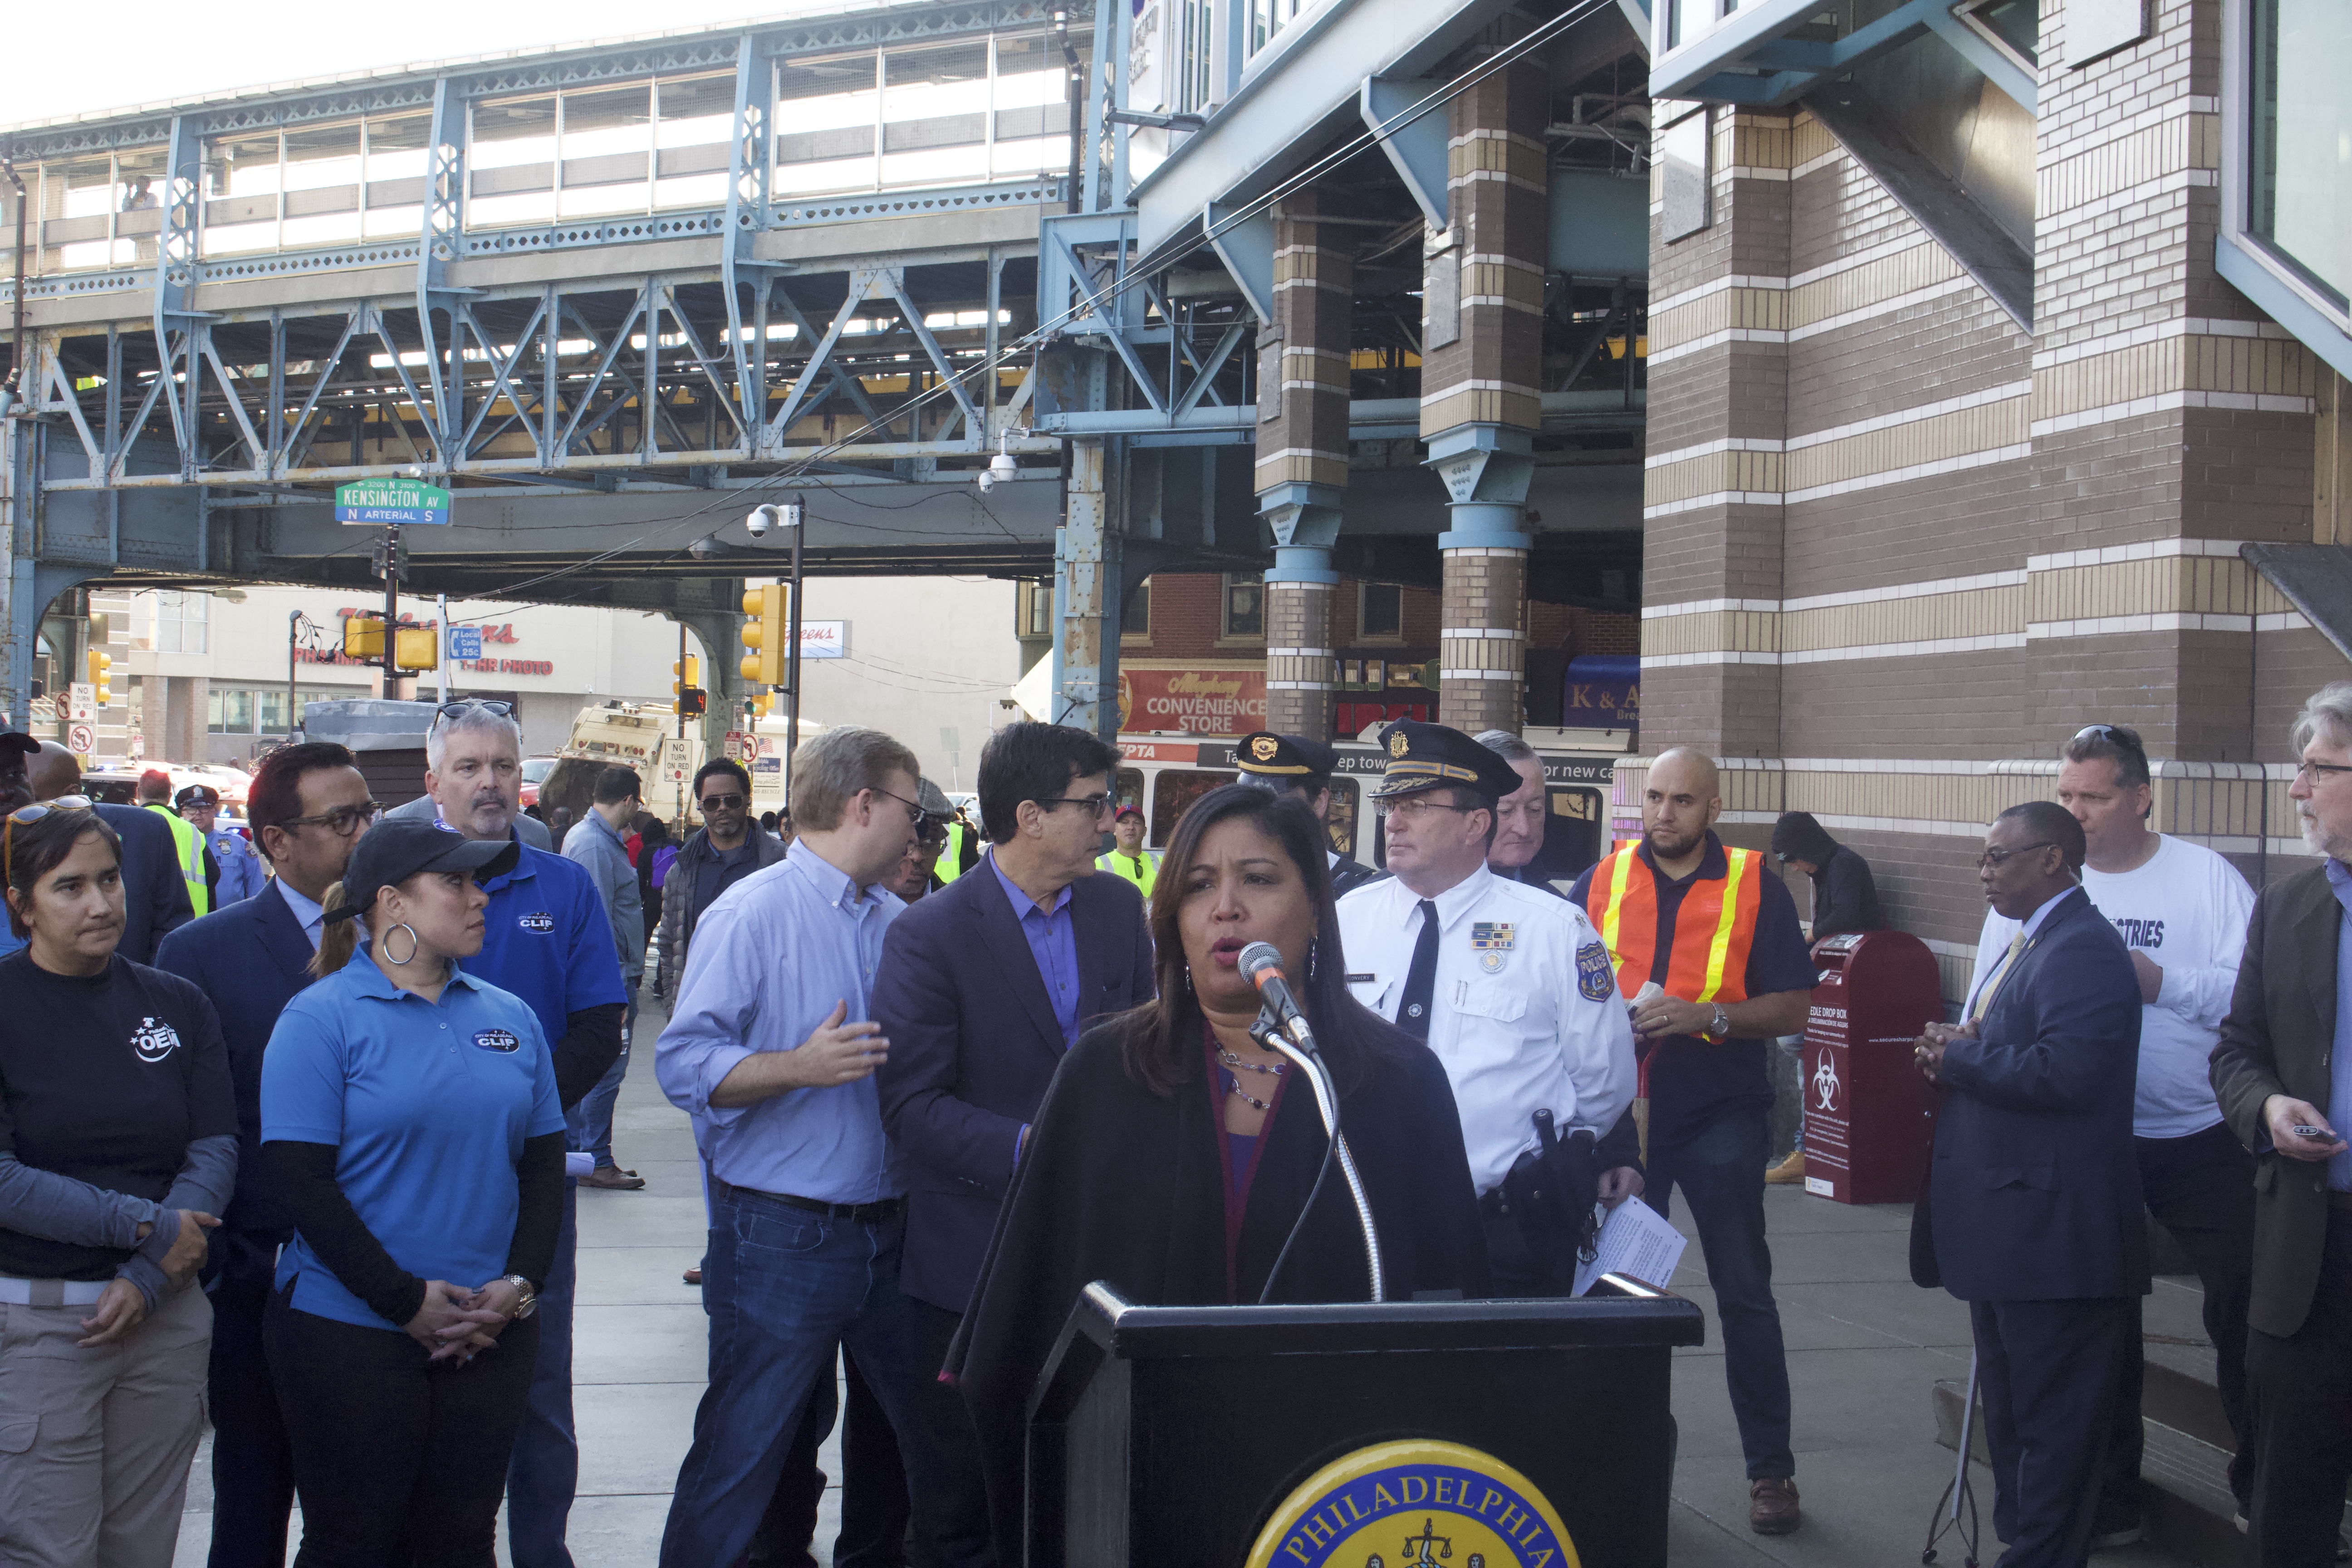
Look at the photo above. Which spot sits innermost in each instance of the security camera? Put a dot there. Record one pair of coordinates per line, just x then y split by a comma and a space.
988, 479
762, 517
703, 549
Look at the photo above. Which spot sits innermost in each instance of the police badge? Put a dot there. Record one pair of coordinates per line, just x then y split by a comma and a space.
1595, 978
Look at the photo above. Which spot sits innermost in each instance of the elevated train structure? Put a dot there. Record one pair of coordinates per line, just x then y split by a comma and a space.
613, 296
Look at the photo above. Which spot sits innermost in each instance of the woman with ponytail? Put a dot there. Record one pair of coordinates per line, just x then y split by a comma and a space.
410, 1117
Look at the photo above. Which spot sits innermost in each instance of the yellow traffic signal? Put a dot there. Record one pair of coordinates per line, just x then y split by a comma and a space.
363, 637
100, 664
415, 647
684, 672
765, 634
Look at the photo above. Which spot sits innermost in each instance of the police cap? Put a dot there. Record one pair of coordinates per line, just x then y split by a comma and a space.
1424, 756
1283, 761
196, 794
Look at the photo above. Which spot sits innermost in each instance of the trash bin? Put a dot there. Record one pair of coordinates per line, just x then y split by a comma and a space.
1869, 1116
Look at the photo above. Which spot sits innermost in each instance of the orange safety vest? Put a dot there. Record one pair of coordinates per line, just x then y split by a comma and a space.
1714, 929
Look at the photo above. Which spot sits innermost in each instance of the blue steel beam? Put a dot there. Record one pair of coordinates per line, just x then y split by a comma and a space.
1745, 60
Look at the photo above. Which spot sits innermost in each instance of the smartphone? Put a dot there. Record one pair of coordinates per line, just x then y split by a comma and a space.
2311, 1132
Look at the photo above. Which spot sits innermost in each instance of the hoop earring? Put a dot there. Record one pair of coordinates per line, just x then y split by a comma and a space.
412, 944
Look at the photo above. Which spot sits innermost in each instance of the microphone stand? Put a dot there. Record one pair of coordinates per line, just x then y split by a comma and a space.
1269, 1032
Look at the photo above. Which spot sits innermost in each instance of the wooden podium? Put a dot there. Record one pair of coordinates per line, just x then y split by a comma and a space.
1471, 1434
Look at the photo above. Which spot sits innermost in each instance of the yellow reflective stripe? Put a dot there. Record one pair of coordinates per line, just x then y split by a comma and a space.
1718, 950
1620, 868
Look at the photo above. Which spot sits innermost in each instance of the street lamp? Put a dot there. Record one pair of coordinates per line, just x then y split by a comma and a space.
791, 515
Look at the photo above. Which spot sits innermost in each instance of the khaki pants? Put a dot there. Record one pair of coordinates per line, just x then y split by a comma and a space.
95, 1443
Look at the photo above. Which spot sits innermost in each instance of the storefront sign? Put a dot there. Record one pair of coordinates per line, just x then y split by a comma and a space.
1197, 701
1601, 704
825, 639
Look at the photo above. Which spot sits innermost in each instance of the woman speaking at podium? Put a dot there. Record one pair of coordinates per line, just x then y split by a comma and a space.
1174, 1156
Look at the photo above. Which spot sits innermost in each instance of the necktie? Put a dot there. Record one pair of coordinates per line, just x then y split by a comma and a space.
1421, 980
2001, 973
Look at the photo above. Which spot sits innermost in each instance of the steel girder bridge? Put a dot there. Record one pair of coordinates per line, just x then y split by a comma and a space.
612, 297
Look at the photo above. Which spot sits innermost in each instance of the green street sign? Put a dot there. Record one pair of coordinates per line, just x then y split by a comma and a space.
374, 503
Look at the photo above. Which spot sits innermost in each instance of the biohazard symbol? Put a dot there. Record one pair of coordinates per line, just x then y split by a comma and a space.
1825, 1085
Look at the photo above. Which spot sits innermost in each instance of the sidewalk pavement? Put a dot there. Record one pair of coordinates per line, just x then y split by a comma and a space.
1866, 1347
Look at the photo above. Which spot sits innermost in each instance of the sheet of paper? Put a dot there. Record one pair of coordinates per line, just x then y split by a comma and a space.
1634, 1241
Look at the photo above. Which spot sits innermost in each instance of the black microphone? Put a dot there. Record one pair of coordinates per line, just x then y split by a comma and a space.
1261, 965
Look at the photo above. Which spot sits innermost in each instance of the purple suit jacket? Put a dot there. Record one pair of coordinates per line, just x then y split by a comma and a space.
974, 1043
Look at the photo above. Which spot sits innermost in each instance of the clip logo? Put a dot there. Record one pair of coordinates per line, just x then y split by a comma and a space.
154, 1040
498, 1040
1418, 1504
537, 920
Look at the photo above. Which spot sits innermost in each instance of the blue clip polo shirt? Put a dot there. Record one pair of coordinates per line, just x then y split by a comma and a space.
545, 938
427, 1104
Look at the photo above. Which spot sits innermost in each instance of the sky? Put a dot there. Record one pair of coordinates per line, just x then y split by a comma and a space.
145, 51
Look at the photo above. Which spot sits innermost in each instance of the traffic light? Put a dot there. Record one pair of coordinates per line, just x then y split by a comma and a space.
415, 647
399, 558
765, 634
691, 702
363, 637
100, 664
684, 672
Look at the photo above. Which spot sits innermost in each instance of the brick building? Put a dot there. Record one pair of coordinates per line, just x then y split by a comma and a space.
1954, 452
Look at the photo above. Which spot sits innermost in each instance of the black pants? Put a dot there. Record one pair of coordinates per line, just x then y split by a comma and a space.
873, 1486
253, 1464
941, 1407
2201, 1189
398, 1462
2051, 1372
2301, 1390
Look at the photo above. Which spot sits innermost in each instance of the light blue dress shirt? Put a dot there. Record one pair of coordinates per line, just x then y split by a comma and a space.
770, 960
1052, 937
2340, 1059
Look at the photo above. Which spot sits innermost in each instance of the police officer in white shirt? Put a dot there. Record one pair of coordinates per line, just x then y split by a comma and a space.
2182, 910
1510, 987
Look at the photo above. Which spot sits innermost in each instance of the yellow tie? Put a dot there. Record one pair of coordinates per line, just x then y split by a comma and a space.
2001, 973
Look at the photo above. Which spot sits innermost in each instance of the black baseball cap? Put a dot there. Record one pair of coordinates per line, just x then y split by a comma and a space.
15, 746
1283, 762
398, 847
1424, 756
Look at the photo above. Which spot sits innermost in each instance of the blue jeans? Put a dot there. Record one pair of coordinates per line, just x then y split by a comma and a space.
1721, 1172
588, 1125
545, 1468
783, 1286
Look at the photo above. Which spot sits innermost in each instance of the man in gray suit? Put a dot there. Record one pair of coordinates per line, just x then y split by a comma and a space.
2282, 1073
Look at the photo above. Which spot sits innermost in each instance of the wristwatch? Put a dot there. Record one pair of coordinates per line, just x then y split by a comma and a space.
527, 1292
1720, 1029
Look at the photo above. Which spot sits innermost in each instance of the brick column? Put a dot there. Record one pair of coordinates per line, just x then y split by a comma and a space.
1480, 403
1302, 460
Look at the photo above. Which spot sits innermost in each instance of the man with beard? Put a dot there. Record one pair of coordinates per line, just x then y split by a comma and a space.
548, 941
1716, 939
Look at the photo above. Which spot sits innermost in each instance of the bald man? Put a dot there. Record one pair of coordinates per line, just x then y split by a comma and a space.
1714, 937
154, 896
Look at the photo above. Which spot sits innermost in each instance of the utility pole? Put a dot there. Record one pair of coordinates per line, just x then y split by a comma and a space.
390, 608
441, 652
682, 684
293, 710
796, 515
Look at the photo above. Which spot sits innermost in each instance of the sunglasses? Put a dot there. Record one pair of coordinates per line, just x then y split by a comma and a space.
472, 704
29, 814
721, 802
2114, 734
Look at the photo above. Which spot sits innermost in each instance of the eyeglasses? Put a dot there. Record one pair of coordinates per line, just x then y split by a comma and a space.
1412, 808
721, 802
1097, 804
2114, 734
915, 811
29, 814
342, 821
459, 709
1993, 860
2312, 773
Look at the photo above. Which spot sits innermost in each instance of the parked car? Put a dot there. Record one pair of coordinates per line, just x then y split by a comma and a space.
534, 772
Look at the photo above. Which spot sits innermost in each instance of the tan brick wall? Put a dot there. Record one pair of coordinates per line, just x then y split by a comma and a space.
1483, 645
1298, 658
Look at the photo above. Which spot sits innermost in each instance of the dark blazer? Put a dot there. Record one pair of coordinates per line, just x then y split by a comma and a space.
974, 1043
249, 959
2276, 1040
2034, 1190
154, 896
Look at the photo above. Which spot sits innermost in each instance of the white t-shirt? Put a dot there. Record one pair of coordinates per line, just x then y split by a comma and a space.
2187, 909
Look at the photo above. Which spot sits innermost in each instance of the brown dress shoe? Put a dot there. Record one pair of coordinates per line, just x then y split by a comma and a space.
613, 1177
1773, 1506
1791, 1169
694, 1275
